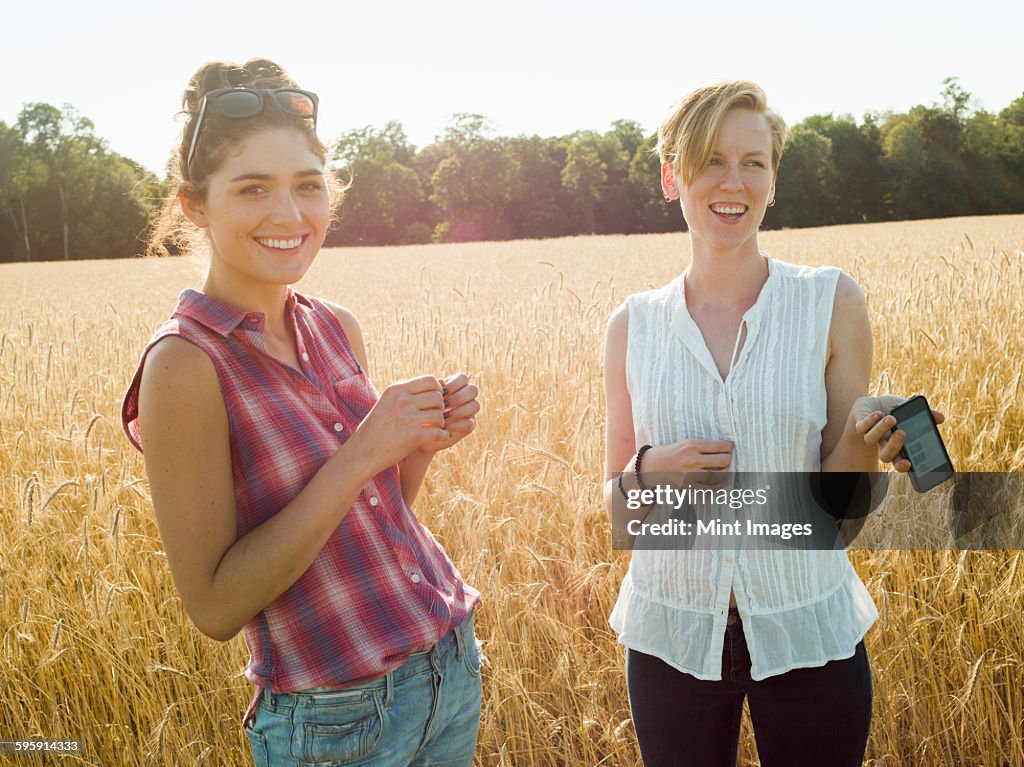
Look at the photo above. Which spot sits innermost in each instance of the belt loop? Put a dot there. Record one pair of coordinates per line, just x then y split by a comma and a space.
388, 688
459, 640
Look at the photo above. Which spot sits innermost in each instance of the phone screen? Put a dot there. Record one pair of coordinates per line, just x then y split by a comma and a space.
923, 447
930, 464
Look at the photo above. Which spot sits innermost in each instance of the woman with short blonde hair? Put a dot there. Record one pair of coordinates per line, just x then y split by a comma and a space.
743, 363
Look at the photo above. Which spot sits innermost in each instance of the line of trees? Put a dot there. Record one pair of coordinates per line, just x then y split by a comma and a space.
63, 194
932, 162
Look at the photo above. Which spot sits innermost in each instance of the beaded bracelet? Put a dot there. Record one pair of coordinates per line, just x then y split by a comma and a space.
636, 470
636, 466
622, 490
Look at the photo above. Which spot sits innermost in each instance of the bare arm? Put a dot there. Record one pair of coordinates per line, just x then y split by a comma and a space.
620, 439
847, 374
224, 580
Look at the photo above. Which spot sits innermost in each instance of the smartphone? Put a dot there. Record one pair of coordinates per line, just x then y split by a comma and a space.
929, 462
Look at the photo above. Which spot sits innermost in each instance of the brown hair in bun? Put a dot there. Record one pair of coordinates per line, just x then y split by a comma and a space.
218, 136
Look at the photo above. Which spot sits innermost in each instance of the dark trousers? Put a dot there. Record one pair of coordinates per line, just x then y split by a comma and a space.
813, 717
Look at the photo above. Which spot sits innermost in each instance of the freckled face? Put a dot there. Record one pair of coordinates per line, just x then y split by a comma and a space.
267, 209
727, 198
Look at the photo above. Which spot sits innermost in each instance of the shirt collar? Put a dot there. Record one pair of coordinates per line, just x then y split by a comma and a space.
685, 328
224, 319
752, 315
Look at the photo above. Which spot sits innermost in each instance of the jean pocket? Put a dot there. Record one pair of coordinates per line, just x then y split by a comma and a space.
258, 743
338, 726
472, 655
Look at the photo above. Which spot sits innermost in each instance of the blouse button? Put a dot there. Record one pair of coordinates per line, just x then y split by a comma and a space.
305, 357
338, 427
374, 500
415, 578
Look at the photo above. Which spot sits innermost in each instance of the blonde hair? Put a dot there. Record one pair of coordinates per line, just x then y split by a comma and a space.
687, 137
172, 231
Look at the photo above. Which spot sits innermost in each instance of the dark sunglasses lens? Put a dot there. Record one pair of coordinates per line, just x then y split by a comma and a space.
239, 104
295, 103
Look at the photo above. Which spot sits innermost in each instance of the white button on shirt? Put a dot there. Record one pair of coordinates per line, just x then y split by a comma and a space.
800, 608
339, 427
305, 357
374, 500
415, 577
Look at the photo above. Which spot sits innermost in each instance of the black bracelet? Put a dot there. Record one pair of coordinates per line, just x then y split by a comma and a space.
636, 469
636, 466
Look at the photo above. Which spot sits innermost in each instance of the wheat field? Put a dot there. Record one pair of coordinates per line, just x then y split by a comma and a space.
95, 643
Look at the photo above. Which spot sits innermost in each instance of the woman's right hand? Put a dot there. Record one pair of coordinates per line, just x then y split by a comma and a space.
407, 415
695, 457
878, 427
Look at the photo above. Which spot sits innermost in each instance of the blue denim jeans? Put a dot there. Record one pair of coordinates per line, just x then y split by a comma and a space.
807, 717
424, 713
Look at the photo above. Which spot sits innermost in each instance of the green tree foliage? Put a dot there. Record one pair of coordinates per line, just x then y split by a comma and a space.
585, 176
991, 184
617, 209
831, 173
854, 174
934, 161
20, 172
63, 194
536, 203
943, 160
1009, 143
805, 179
924, 155
653, 212
472, 184
385, 203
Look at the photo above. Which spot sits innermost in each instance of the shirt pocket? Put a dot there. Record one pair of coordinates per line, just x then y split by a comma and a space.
355, 397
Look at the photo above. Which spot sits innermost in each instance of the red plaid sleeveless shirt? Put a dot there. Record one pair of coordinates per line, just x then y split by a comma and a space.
382, 587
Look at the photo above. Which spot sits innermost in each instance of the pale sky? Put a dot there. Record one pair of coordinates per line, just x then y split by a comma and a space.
532, 66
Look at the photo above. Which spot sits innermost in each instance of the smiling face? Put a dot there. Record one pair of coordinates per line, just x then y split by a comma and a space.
725, 202
265, 211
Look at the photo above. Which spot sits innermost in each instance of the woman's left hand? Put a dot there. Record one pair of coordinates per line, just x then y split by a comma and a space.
874, 424
460, 409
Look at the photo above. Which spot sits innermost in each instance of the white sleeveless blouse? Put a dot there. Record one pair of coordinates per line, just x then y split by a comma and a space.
799, 609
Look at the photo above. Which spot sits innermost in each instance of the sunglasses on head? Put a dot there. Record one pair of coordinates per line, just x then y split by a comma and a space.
239, 103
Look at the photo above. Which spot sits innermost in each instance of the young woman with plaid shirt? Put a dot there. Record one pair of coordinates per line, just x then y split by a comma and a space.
281, 480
